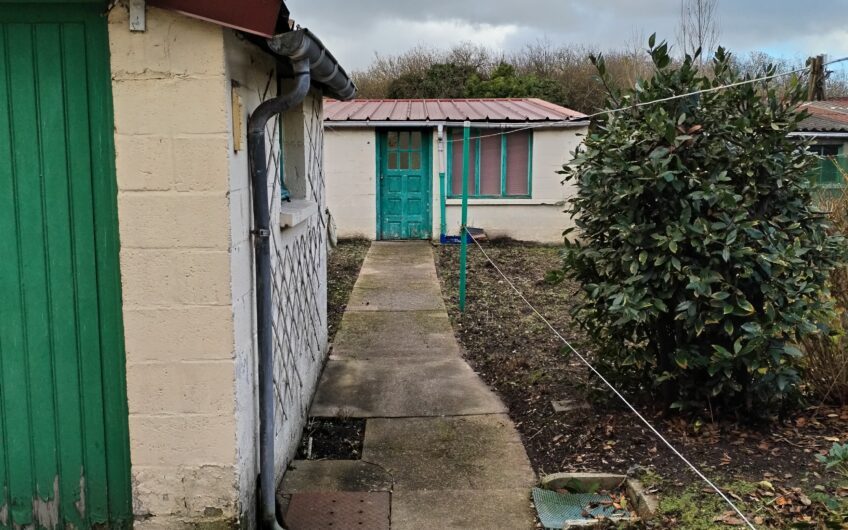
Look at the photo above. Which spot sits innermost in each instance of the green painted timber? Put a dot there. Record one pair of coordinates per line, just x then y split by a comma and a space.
64, 444
404, 188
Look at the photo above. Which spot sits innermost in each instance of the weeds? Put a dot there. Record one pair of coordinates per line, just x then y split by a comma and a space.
826, 360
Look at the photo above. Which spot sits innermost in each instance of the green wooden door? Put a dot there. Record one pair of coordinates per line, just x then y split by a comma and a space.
404, 187
64, 451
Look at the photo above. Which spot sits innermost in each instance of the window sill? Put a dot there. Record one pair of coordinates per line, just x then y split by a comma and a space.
296, 211
505, 202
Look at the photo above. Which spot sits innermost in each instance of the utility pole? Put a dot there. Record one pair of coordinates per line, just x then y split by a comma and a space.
815, 90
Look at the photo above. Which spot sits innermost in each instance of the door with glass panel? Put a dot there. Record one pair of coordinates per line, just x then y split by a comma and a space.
404, 185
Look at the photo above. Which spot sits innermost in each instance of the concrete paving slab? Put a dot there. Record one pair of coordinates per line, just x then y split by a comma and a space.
398, 388
399, 271
335, 475
395, 334
452, 453
462, 510
415, 297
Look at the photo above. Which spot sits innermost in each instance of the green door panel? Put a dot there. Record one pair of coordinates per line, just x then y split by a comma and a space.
64, 449
404, 187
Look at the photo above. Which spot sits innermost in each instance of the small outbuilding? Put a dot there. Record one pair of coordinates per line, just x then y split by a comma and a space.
827, 126
394, 167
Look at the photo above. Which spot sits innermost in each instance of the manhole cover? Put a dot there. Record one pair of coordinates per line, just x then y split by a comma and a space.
341, 510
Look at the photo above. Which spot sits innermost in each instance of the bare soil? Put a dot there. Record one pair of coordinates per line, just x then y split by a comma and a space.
519, 357
332, 439
343, 266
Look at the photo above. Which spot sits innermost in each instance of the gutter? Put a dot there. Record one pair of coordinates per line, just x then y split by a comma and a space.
820, 134
310, 62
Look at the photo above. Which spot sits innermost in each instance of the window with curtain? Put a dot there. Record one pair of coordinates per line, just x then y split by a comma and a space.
499, 165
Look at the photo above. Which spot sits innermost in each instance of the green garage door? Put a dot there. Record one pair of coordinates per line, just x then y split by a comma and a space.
64, 456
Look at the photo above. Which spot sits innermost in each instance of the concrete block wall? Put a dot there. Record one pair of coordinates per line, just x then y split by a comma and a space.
185, 215
171, 97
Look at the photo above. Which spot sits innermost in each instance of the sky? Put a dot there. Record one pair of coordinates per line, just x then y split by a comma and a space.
356, 30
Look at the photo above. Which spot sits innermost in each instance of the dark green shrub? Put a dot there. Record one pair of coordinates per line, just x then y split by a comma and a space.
702, 259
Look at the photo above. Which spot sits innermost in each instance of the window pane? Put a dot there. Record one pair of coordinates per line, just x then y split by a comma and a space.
415, 160
392, 139
490, 164
416, 140
393, 160
456, 164
517, 160
404, 140
824, 150
404, 160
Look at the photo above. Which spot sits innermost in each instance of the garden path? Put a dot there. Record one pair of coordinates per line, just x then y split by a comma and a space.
439, 447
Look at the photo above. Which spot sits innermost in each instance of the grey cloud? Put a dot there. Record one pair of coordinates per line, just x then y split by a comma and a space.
354, 30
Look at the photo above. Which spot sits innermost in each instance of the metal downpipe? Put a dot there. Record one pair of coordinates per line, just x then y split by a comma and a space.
264, 283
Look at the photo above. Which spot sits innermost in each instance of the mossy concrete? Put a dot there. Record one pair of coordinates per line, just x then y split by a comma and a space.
401, 388
451, 453
395, 335
335, 475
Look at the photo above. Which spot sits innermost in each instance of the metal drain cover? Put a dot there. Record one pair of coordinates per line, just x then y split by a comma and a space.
339, 510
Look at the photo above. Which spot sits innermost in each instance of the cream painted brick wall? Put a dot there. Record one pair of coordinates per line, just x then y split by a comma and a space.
171, 100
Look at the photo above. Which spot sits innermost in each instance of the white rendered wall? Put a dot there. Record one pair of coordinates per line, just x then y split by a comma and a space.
299, 264
351, 161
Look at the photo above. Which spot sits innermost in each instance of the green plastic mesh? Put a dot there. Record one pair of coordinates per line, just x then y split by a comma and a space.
555, 509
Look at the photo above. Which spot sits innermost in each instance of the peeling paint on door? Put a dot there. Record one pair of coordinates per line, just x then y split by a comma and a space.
45, 511
80, 504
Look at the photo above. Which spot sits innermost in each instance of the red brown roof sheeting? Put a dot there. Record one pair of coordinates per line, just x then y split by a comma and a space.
482, 109
826, 116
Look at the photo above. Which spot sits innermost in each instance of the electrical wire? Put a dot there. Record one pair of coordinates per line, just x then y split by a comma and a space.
611, 387
588, 117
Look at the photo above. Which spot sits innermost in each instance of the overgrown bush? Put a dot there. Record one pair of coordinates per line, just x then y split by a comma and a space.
703, 261
826, 354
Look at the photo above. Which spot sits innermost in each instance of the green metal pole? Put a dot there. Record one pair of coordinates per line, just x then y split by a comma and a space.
463, 235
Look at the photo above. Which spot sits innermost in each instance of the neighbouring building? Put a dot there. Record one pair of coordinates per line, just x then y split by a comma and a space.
827, 125
129, 336
386, 178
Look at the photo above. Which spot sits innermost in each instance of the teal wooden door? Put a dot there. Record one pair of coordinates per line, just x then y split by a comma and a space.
64, 450
404, 185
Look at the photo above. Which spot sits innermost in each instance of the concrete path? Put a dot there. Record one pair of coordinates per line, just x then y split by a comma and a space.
436, 437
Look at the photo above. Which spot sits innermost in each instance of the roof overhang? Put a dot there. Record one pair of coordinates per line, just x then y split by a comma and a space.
265, 18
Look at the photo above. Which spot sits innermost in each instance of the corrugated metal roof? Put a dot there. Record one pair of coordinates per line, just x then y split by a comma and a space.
826, 116
482, 109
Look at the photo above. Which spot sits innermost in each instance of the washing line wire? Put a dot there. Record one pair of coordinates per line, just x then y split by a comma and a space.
587, 117
611, 387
